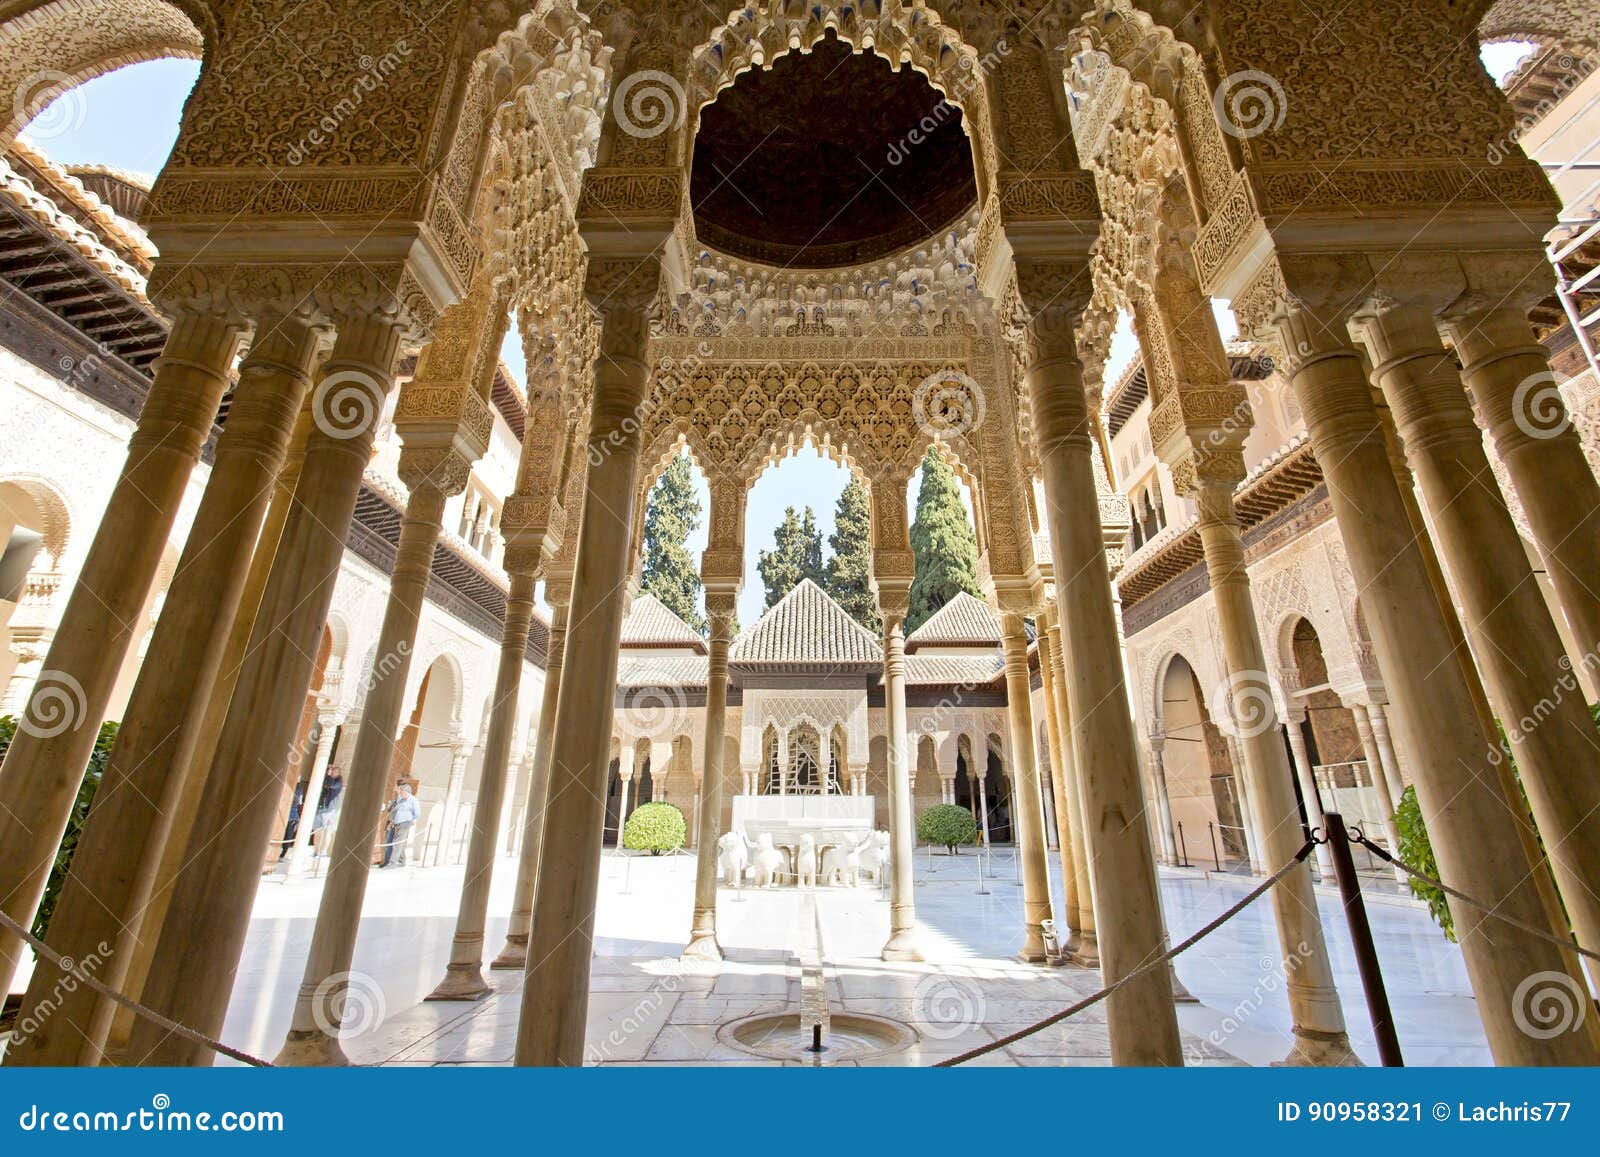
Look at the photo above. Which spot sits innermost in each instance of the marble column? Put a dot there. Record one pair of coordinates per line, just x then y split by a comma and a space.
1391, 760
1027, 814
295, 861
720, 609
1380, 783
463, 978
1508, 372
313, 1037
191, 974
902, 944
455, 786
783, 762
1083, 945
555, 995
105, 895
174, 851
1140, 1015
1158, 773
1474, 835
515, 952
1527, 672
627, 755
43, 766
1306, 773
1319, 1028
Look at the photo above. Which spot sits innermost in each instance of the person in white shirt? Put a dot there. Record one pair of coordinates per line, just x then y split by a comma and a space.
403, 812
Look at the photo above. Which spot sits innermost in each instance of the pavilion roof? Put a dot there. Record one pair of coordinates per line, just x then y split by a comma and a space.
807, 627
651, 624
963, 621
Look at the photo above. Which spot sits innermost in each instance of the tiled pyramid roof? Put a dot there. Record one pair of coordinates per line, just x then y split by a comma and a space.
963, 621
806, 626
651, 624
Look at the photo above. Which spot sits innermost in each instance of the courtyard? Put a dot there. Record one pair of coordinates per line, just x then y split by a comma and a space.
646, 1007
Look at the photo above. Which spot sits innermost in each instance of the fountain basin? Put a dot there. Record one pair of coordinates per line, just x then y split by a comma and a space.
787, 1036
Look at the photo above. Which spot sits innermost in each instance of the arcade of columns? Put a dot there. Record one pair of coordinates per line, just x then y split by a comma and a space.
1352, 230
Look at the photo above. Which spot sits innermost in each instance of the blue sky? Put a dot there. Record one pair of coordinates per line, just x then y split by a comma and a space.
129, 119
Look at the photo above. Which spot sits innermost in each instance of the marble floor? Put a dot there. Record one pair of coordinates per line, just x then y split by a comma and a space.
647, 1008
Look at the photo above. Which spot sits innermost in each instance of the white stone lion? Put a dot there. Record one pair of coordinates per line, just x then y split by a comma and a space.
805, 863
768, 862
733, 855
874, 853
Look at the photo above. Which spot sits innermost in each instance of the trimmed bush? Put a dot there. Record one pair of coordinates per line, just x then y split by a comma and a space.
655, 828
948, 825
1417, 850
80, 812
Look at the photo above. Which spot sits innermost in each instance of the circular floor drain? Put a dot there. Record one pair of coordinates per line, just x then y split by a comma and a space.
850, 1037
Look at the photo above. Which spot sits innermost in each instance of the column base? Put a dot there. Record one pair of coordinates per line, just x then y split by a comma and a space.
309, 1049
461, 982
1087, 950
703, 946
1313, 1049
1032, 950
902, 947
1180, 994
513, 957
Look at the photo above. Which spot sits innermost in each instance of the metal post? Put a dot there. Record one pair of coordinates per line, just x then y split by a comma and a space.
1211, 828
1355, 912
982, 891
1183, 849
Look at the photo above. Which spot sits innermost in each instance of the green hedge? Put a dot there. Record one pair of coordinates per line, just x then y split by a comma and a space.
948, 825
655, 828
80, 811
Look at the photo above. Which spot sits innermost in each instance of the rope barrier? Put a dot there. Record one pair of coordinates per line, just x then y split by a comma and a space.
1487, 909
1089, 1001
52, 956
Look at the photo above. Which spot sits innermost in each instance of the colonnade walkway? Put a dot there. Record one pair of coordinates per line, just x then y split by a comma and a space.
648, 1007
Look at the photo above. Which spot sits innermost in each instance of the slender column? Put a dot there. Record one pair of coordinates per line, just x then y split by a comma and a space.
1508, 372
980, 783
1158, 771
1319, 1027
555, 995
1241, 787
111, 880
328, 721
902, 943
1474, 836
1380, 784
1307, 774
703, 933
783, 762
515, 952
175, 850
1083, 946
191, 975
455, 786
1391, 761
1028, 813
313, 1037
464, 976
1527, 672
44, 765
626, 754
1143, 1025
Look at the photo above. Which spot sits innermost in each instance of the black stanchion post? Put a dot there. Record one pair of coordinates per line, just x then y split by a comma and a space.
1183, 848
1215, 859
1355, 913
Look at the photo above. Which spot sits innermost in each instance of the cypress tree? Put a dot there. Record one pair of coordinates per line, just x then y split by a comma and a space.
942, 540
672, 514
850, 569
796, 555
